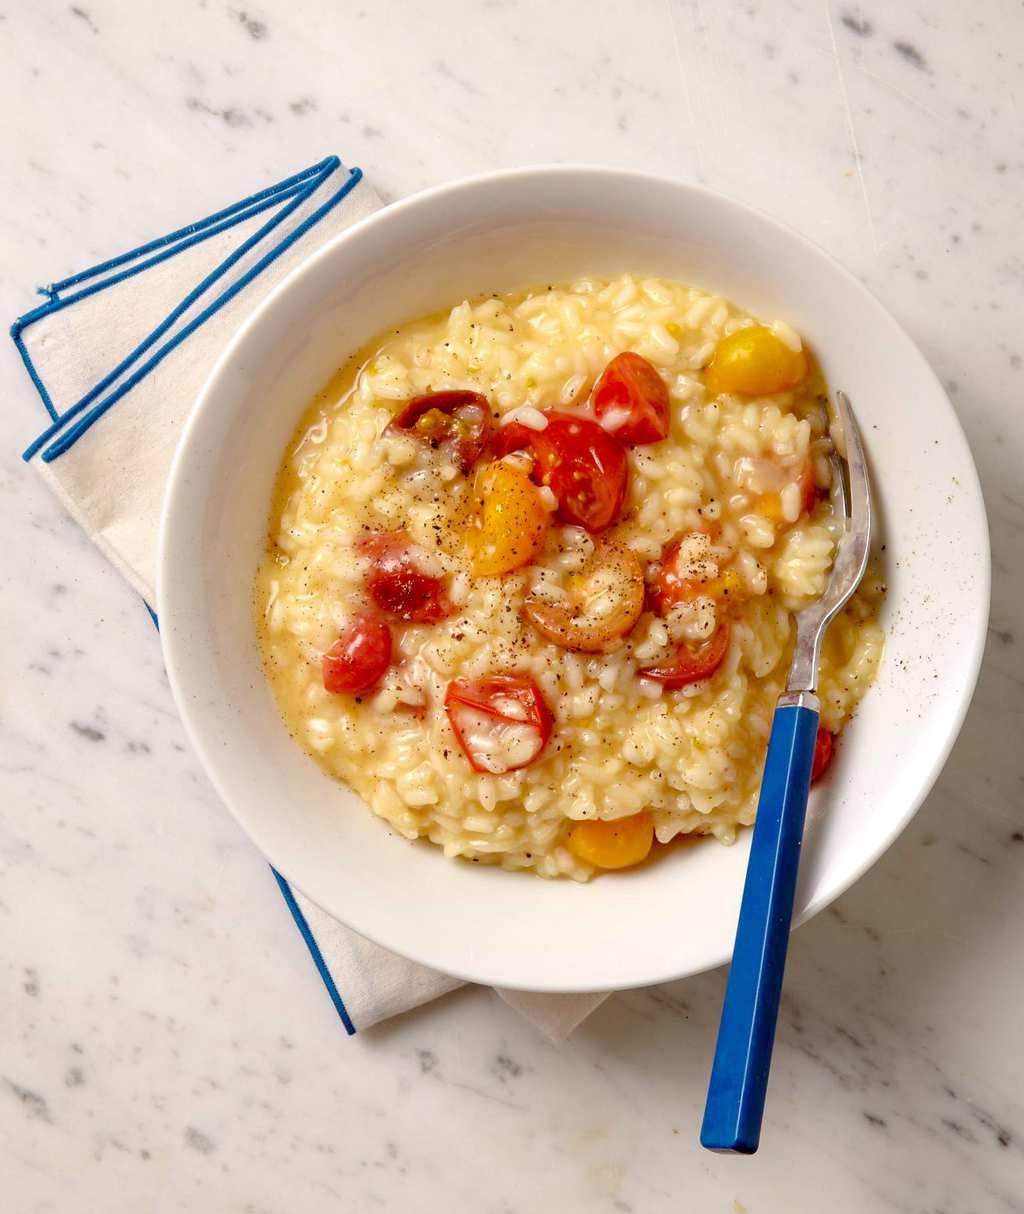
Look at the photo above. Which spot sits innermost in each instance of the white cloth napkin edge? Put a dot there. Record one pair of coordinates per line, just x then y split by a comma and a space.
146, 593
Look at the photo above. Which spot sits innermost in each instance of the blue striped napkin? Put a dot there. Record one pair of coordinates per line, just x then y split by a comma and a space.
117, 354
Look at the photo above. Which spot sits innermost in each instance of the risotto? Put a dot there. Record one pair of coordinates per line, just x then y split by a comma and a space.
533, 566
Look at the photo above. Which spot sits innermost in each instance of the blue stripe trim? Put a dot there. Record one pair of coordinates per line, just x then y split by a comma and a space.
298, 187
56, 302
69, 436
300, 921
182, 238
314, 952
175, 313
193, 229
44, 396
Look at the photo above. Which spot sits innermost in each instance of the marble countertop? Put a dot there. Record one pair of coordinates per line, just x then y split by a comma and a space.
164, 1042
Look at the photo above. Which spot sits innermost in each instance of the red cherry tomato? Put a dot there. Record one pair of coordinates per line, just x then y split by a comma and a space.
824, 748
398, 583
513, 437
582, 464
690, 667
808, 489
501, 722
359, 657
455, 422
631, 401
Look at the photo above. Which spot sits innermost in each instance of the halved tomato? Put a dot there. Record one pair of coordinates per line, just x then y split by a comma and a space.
691, 666
630, 400
511, 523
501, 722
456, 422
618, 843
824, 748
359, 657
582, 464
808, 488
399, 582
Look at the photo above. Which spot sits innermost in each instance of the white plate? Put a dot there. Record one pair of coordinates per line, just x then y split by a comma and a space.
495, 233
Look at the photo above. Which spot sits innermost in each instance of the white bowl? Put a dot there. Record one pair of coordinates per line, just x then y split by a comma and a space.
494, 233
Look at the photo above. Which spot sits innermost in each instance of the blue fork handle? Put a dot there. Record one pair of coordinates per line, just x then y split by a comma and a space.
739, 1076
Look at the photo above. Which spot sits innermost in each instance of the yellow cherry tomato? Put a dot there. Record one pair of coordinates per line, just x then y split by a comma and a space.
755, 362
616, 844
512, 520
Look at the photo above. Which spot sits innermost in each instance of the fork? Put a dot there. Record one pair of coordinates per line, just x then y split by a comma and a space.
746, 1032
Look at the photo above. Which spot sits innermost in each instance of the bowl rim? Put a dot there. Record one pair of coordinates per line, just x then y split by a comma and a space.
179, 467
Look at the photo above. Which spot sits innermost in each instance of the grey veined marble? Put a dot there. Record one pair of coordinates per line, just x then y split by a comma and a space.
164, 1043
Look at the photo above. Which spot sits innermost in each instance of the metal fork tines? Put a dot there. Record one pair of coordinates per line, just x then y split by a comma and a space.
851, 500
743, 1051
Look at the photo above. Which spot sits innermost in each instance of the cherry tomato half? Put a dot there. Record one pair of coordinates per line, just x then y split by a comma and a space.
455, 422
501, 722
688, 666
619, 843
359, 657
582, 464
824, 748
512, 520
398, 583
631, 401
808, 488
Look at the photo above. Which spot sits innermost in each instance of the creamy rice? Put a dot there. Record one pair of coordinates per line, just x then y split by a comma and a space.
620, 744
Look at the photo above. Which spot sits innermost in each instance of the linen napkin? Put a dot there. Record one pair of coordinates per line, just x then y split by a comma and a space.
117, 354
